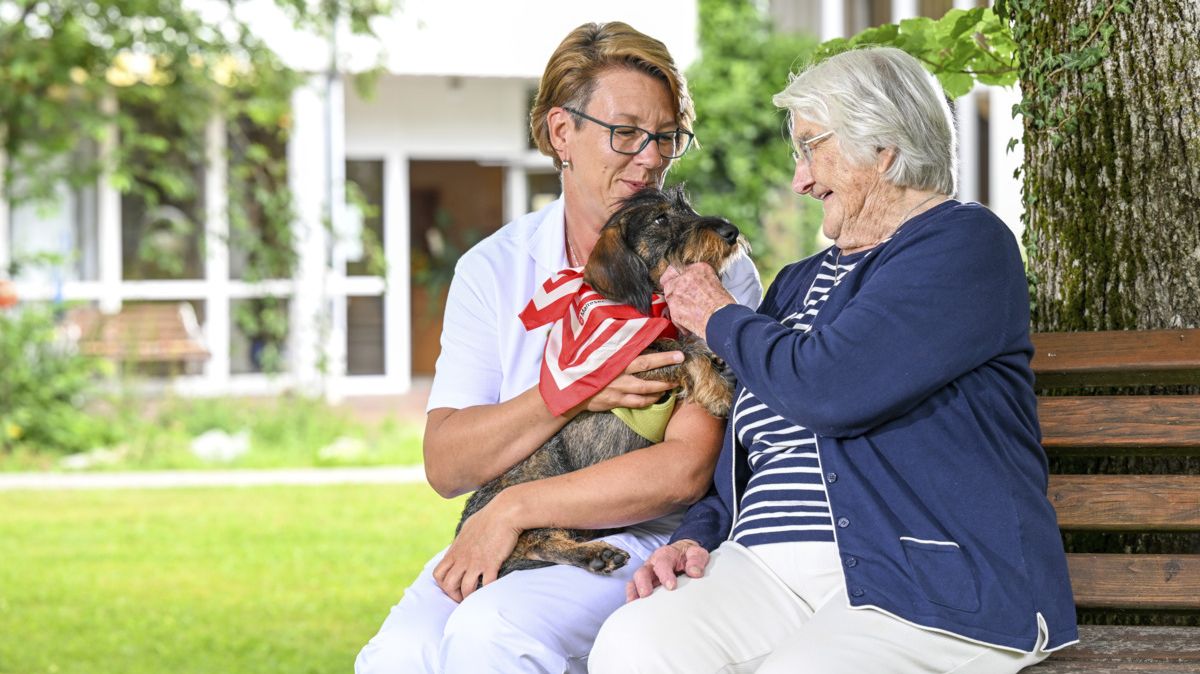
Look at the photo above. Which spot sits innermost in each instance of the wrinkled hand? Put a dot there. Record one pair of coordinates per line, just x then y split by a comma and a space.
486, 539
664, 564
630, 391
693, 294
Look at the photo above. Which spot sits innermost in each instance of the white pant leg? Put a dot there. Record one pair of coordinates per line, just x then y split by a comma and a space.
409, 638
842, 640
540, 620
753, 612
726, 621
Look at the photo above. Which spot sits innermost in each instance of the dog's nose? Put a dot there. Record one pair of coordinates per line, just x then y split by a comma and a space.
727, 230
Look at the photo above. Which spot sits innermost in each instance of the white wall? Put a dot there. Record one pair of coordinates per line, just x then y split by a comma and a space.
509, 38
440, 117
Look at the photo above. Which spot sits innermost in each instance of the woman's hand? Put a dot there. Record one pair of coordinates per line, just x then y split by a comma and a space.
664, 564
693, 294
628, 390
486, 539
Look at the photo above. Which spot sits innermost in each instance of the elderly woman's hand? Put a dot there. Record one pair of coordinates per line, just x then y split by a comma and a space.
664, 564
693, 294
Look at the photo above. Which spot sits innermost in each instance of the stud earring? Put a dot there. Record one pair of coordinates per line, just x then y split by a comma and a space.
566, 163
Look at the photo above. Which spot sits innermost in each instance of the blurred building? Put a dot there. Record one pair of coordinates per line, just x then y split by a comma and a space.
442, 153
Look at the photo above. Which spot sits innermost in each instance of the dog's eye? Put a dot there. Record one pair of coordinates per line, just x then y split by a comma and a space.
661, 219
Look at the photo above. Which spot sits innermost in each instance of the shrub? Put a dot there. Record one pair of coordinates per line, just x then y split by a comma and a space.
45, 386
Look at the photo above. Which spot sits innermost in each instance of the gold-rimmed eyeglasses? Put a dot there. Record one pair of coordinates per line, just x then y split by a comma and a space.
626, 139
804, 148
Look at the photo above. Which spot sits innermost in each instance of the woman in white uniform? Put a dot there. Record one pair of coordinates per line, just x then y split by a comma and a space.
613, 112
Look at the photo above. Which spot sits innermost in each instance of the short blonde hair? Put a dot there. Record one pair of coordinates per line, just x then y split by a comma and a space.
571, 74
879, 97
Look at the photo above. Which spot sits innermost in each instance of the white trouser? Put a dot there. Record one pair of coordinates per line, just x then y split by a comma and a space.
763, 611
540, 620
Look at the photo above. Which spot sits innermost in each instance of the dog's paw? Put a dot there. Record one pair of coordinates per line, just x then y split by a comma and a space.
604, 558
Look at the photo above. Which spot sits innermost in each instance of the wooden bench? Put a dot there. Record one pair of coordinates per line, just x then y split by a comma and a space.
162, 335
1104, 423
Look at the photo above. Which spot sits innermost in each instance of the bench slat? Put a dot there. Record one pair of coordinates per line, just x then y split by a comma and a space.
1126, 502
153, 332
1135, 581
160, 350
1117, 426
1105, 648
1120, 424
1117, 358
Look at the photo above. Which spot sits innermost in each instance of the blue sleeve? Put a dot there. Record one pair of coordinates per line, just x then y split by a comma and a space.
940, 302
706, 522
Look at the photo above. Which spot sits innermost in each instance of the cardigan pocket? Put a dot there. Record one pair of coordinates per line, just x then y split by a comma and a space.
942, 571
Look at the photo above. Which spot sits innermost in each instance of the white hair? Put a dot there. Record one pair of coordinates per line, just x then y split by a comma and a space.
875, 98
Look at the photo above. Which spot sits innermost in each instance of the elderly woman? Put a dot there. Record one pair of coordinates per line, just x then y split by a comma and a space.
612, 111
879, 502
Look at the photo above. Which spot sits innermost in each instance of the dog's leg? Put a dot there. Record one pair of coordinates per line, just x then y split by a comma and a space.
706, 385
542, 547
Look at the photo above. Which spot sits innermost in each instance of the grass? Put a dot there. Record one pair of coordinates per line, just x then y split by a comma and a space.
260, 580
284, 432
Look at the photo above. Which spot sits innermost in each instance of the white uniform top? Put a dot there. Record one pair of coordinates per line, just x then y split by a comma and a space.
487, 355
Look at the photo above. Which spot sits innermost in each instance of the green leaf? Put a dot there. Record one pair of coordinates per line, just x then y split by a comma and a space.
956, 84
966, 21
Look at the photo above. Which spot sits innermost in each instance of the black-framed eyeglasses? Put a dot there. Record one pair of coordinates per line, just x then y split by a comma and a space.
627, 139
804, 147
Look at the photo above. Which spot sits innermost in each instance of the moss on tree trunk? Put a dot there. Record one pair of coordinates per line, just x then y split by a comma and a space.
1113, 207
1112, 199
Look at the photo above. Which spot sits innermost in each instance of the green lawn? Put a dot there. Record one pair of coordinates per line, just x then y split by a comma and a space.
219, 581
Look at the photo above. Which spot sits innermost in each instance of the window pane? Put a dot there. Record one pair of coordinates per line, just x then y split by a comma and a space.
258, 335
56, 242
365, 177
161, 241
162, 216
364, 335
256, 251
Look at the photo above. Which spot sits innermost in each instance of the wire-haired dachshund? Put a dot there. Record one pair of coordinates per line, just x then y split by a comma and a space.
651, 231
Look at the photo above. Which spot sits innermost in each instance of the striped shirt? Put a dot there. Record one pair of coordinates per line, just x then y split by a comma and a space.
785, 499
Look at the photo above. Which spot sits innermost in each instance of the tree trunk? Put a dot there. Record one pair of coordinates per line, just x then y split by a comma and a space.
1113, 206
1112, 199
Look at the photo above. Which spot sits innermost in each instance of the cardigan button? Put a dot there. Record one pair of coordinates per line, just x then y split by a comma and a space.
843, 522
858, 592
831, 477
851, 562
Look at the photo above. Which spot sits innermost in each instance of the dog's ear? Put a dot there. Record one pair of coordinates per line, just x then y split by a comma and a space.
679, 199
617, 272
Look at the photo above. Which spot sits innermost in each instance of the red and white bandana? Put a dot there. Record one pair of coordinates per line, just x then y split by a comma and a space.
592, 340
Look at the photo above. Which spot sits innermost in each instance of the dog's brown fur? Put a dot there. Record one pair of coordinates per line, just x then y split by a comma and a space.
651, 231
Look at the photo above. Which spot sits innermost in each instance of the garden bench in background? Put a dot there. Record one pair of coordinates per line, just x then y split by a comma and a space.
1104, 423
162, 335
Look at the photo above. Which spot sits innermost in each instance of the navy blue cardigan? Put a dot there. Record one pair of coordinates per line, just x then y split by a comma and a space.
916, 380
